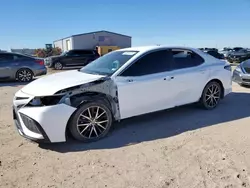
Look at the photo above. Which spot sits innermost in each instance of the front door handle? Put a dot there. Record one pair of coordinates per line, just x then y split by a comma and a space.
169, 78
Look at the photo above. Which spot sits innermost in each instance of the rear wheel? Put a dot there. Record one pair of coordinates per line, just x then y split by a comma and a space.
91, 122
58, 66
211, 95
24, 75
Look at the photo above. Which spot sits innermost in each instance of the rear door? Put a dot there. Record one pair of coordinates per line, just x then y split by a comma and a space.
86, 57
92, 55
71, 58
190, 75
6, 61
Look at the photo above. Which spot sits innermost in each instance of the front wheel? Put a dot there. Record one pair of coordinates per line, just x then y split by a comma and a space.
58, 66
91, 122
211, 95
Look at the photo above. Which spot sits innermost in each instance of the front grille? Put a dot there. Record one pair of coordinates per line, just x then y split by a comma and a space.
247, 69
30, 123
246, 80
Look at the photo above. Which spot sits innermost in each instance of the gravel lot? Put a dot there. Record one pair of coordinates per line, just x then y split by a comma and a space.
185, 147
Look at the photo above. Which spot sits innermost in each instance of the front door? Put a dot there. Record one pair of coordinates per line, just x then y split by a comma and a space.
146, 86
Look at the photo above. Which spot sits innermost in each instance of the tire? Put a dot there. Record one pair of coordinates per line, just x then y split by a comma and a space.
87, 129
211, 95
24, 75
58, 66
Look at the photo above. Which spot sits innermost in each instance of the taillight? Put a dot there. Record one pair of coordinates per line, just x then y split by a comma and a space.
40, 62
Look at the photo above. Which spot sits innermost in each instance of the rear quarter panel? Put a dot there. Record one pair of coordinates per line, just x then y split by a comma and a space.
32, 65
218, 71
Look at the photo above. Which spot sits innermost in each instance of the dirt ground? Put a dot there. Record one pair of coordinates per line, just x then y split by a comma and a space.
185, 147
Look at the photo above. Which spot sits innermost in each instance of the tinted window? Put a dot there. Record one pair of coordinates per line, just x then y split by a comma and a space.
21, 57
88, 52
215, 54
81, 52
237, 48
154, 62
6, 57
186, 59
72, 53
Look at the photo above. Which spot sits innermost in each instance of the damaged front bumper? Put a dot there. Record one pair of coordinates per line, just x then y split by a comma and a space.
40, 123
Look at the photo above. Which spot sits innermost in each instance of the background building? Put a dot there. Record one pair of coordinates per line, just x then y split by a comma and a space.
93, 39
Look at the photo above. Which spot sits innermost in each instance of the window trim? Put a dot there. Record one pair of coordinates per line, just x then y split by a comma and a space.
141, 56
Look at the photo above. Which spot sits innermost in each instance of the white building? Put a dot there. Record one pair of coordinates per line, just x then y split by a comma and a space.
93, 39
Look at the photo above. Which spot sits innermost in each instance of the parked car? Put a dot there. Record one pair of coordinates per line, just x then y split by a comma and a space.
121, 84
208, 49
241, 73
215, 54
225, 51
71, 58
238, 56
236, 49
20, 67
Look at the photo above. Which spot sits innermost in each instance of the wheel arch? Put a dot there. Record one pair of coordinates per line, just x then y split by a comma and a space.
23, 68
57, 61
219, 82
83, 98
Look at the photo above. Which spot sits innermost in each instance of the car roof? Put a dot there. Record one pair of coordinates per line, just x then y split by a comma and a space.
12, 53
143, 49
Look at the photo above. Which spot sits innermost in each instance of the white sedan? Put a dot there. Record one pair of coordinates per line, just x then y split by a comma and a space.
121, 84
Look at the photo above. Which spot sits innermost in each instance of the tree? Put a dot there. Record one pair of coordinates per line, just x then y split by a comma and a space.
43, 53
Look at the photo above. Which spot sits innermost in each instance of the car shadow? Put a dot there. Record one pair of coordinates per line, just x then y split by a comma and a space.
163, 124
11, 83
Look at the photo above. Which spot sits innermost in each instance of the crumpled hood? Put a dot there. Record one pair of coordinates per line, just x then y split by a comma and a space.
50, 84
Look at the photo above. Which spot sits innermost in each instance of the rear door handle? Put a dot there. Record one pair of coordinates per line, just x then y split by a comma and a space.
130, 80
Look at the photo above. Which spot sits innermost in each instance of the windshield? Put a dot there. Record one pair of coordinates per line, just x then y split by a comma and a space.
64, 53
109, 63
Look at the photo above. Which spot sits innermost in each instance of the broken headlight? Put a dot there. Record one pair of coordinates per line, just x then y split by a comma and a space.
45, 101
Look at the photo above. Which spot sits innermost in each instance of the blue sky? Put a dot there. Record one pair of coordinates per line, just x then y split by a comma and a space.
196, 23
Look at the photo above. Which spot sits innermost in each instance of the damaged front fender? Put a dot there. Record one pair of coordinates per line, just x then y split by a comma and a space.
103, 89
